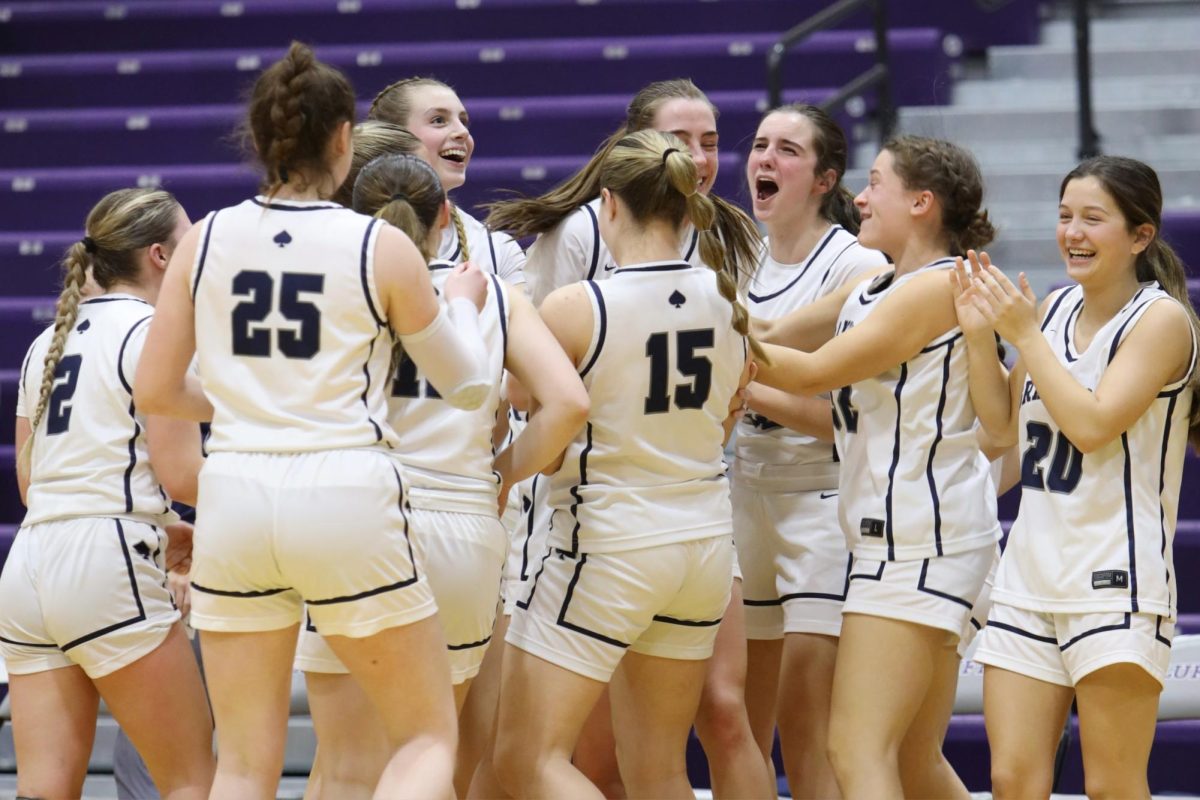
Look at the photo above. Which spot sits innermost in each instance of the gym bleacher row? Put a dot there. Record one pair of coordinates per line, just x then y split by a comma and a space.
100, 94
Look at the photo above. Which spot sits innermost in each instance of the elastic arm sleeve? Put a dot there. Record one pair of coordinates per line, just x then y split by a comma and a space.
450, 353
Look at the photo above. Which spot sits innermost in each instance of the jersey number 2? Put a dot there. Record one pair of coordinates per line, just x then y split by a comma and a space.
696, 367
250, 338
1066, 468
66, 377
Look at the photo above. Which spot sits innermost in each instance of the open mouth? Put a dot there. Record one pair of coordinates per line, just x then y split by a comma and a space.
1079, 254
765, 188
458, 155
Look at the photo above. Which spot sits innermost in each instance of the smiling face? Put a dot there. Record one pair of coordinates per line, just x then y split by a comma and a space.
781, 169
439, 120
693, 121
886, 207
1094, 238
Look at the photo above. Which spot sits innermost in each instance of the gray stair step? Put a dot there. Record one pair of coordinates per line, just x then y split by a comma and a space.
1168, 90
1177, 29
1127, 60
1013, 122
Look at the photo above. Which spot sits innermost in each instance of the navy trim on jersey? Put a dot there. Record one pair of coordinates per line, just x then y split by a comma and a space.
137, 598
808, 262
673, 266
121, 353
1066, 332
470, 645
529, 527
692, 248
921, 587
228, 593
1004, 626
503, 314
308, 623
212, 221
367, 389
1162, 512
1158, 633
603, 327
25, 370
1054, 306
887, 499
933, 491
137, 429
571, 626
1112, 351
1124, 626
97, 300
492, 248
878, 576
583, 454
391, 587
281, 207
875, 289
595, 241
1129, 526
833, 263
689, 623
524, 605
362, 270
975, 624
943, 343
6, 640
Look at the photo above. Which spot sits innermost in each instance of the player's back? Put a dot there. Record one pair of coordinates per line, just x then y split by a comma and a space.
663, 365
292, 344
90, 456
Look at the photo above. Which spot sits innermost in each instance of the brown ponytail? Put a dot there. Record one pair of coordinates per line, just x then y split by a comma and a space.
118, 227
654, 176
296, 106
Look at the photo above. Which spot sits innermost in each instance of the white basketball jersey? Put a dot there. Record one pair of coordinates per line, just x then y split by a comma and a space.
89, 455
493, 251
447, 453
776, 290
914, 483
293, 348
662, 367
573, 251
1095, 530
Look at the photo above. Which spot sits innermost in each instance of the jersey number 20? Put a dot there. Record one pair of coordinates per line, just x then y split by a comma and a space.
250, 338
1065, 468
696, 367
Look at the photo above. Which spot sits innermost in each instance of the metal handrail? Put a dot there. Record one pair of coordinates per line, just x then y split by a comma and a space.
1089, 139
877, 76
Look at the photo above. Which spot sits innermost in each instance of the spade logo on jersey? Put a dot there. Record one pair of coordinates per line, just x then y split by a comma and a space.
283, 239
83, 326
143, 550
676, 299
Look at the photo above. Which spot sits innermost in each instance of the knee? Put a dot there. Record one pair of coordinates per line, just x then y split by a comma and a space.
514, 764
851, 751
721, 720
1111, 787
650, 766
1010, 779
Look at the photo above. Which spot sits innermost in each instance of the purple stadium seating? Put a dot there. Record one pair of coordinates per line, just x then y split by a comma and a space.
1181, 230
21, 320
9, 380
48, 197
44, 27
198, 134
716, 61
12, 510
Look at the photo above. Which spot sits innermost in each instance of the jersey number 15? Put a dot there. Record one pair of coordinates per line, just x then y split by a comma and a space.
687, 363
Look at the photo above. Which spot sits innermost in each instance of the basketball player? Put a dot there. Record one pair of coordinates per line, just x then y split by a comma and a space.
638, 566
569, 248
288, 301
86, 608
1101, 401
916, 499
791, 550
453, 484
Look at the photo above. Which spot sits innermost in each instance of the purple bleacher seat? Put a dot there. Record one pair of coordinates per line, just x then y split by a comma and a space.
1188, 623
54, 27
21, 320
12, 510
43, 199
9, 381
1181, 230
496, 67
1187, 563
29, 260
197, 134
